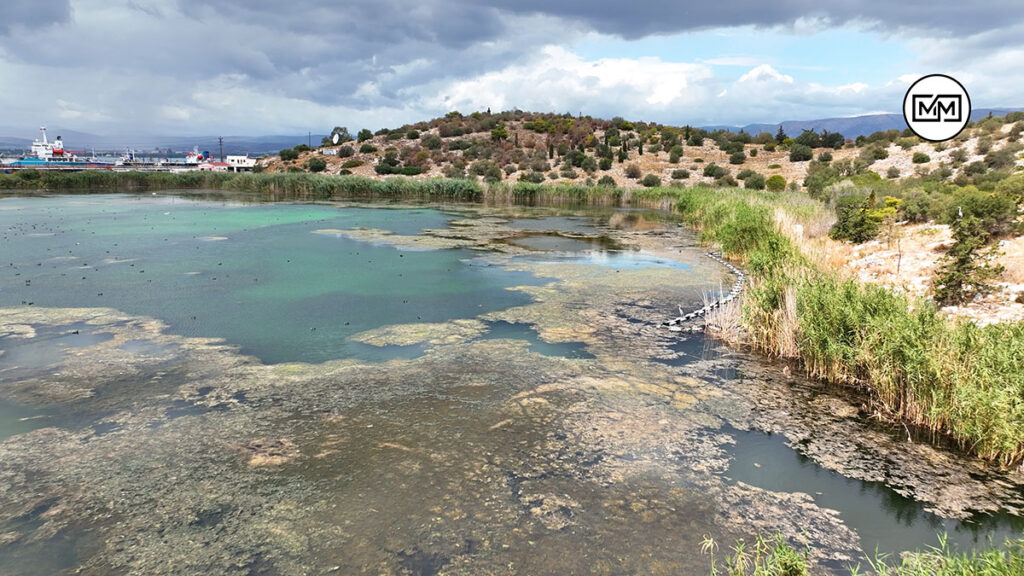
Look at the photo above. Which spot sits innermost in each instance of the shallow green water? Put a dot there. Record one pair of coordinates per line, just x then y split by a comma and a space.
254, 275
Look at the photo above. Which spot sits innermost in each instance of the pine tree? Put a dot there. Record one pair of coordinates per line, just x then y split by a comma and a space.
961, 278
780, 136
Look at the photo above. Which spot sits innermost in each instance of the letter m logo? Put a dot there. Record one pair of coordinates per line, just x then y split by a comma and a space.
936, 108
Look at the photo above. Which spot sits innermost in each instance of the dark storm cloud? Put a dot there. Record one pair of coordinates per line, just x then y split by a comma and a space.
32, 14
639, 18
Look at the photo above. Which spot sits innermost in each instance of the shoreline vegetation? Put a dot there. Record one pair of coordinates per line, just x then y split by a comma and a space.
949, 377
913, 366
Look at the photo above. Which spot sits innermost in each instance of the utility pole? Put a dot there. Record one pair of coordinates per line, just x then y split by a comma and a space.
309, 138
220, 140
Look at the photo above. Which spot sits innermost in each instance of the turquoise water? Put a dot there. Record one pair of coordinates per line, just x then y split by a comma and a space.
255, 275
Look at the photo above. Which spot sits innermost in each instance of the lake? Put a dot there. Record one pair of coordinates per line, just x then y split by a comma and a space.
229, 386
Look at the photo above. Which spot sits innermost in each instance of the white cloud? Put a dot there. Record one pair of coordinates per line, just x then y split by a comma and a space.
560, 80
765, 73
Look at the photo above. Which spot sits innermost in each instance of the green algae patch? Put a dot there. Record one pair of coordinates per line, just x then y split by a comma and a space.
399, 241
437, 333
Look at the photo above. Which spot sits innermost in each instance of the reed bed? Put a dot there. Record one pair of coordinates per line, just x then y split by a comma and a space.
952, 378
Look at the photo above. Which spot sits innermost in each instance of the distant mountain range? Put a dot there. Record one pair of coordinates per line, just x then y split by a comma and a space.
850, 127
257, 145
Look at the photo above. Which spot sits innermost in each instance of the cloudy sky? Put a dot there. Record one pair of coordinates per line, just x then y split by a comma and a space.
139, 67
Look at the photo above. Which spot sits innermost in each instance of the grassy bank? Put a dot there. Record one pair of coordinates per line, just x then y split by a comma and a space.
953, 378
300, 186
775, 557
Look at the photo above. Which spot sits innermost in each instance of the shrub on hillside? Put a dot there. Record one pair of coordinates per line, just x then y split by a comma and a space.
651, 181
996, 211
633, 171
605, 164
726, 181
754, 182
364, 135
808, 138
316, 164
892, 172
825, 157
288, 154
533, 176
412, 134
737, 157
675, 154
680, 174
921, 158
432, 142
776, 183
367, 149
606, 181
345, 151
715, 171
800, 153
753, 152
858, 217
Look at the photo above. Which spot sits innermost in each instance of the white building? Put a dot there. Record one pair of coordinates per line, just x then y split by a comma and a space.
240, 163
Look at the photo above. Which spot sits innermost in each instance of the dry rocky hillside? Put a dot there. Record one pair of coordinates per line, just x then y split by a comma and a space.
559, 149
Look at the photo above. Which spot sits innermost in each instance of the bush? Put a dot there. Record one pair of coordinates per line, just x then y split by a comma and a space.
825, 157
800, 153
352, 163
680, 174
364, 135
776, 183
605, 164
920, 158
737, 157
432, 142
633, 171
534, 176
715, 171
675, 154
892, 172
996, 211
726, 180
754, 182
753, 152
288, 154
745, 173
858, 220
316, 164
606, 181
651, 181
412, 135
367, 149
345, 152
